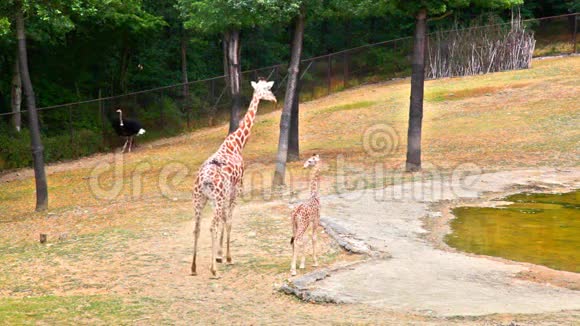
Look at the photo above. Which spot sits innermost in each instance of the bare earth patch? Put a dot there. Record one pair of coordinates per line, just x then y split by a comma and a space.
418, 278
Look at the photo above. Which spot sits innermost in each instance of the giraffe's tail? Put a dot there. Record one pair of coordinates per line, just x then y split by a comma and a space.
294, 227
207, 188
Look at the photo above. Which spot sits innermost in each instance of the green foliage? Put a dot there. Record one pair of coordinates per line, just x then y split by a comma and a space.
216, 16
165, 111
438, 7
4, 26
78, 47
127, 15
543, 8
15, 147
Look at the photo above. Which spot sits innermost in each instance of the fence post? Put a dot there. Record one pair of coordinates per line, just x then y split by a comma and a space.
212, 91
161, 113
313, 86
575, 31
102, 116
188, 105
345, 71
70, 126
329, 74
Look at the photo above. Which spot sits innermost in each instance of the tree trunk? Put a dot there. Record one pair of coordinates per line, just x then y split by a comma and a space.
293, 138
234, 75
124, 66
184, 79
16, 98
226, 64
417, 88
37, 149
290, 98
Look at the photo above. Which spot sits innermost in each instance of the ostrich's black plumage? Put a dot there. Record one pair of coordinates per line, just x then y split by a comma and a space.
127, 128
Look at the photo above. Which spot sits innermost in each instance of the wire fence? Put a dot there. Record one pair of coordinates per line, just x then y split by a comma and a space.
77, 129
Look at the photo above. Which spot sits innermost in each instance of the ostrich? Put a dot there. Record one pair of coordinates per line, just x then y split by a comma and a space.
128, 129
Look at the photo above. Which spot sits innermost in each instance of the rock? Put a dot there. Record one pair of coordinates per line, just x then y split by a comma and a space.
435, 214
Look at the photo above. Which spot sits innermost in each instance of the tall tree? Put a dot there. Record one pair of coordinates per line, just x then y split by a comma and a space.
37, 149
413, 162
294, 133
231, 40
50, 21
16, 94
228, 18
288, 144
128, 25
184, 76
421, 9
290, 99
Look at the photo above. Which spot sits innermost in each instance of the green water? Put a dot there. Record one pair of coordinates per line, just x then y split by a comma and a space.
543, 229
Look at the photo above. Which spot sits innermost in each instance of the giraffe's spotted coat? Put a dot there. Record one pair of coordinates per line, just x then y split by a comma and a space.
306, 215
219, 179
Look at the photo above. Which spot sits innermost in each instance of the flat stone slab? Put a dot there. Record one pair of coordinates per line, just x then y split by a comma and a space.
419, 278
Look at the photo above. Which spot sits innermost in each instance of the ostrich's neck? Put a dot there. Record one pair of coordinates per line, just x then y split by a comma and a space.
121, 118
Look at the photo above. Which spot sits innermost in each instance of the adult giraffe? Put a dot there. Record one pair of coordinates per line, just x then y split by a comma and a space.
219, 178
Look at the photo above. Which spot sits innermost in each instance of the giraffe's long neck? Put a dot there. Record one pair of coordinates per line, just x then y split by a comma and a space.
315, 181
239, 137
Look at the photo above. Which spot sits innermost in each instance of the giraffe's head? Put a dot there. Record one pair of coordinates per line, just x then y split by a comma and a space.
312, 161
262, 89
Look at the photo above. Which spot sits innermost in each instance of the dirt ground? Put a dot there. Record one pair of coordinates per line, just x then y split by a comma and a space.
124, 258
418, 278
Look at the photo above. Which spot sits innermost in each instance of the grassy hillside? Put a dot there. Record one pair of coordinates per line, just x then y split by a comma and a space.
506, 120
503, 120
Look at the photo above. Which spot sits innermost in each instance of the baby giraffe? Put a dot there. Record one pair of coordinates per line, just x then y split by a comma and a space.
306, 214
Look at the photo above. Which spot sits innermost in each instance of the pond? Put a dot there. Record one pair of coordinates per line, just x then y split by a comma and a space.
543, 229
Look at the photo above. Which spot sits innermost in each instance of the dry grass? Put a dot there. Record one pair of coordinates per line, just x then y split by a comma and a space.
129, 255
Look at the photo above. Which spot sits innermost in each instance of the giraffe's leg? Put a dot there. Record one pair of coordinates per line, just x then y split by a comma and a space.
229, 231
314, 228
219, 257
299, 239
293, 244
124, 146
199, 201
218, 217
228, 253
303, 246
294, 255
303, 255
302, 252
